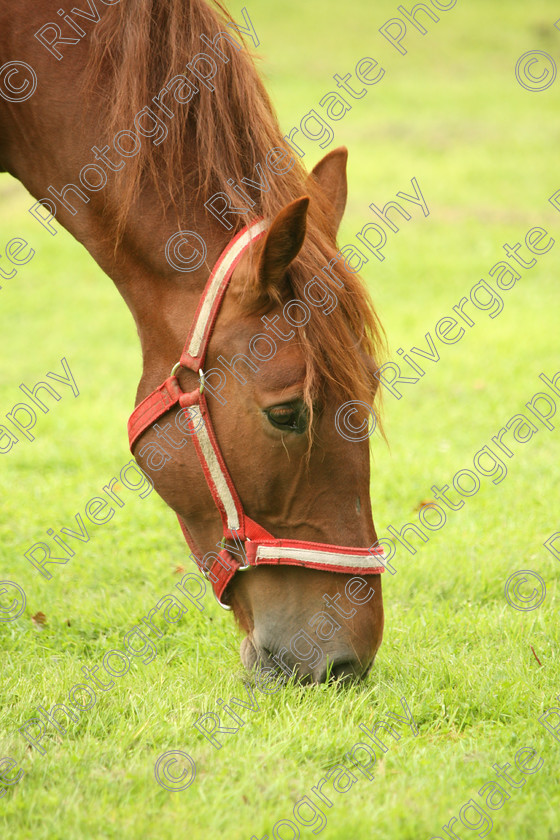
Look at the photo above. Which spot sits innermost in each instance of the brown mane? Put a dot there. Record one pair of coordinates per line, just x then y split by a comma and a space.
138, 47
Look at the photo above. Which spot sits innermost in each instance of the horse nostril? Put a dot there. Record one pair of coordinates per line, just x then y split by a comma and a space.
268, 660
347, 670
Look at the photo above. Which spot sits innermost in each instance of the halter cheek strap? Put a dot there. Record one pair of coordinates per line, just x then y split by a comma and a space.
258, 546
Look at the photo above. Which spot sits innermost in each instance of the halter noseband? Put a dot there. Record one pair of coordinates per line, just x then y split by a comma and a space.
259, 546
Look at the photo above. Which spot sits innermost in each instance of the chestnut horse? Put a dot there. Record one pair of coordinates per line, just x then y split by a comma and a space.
72, 89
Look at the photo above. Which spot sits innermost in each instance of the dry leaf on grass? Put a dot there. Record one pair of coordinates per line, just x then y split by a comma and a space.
39, 619
425, 503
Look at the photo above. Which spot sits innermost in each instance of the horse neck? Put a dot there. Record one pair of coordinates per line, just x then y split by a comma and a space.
161, 299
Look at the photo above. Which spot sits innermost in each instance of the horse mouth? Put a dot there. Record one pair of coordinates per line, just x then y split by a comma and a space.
249, 656
263, 659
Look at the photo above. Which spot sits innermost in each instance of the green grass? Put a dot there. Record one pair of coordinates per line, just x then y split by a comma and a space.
484, 151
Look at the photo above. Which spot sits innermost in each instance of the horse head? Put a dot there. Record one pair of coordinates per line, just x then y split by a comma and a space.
287, 349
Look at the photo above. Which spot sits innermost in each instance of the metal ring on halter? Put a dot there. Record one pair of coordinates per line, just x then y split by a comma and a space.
175, 368
243, 568
201, 377
240, 568
247, 565
223, 606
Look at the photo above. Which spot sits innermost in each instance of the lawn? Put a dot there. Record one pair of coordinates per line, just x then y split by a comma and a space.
475, 673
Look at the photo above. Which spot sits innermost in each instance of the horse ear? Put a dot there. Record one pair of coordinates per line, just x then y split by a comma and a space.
330, 175
282, 244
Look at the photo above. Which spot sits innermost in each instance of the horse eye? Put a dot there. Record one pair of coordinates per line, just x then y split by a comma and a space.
290, 417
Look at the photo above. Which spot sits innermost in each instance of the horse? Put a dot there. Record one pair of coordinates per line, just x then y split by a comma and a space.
143, 127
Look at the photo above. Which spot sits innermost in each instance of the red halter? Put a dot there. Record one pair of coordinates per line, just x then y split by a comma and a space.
259, 546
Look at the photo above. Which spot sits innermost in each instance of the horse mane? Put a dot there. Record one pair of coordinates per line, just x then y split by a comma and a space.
138, 46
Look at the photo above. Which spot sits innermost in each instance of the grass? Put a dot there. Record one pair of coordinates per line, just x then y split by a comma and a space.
451, 114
